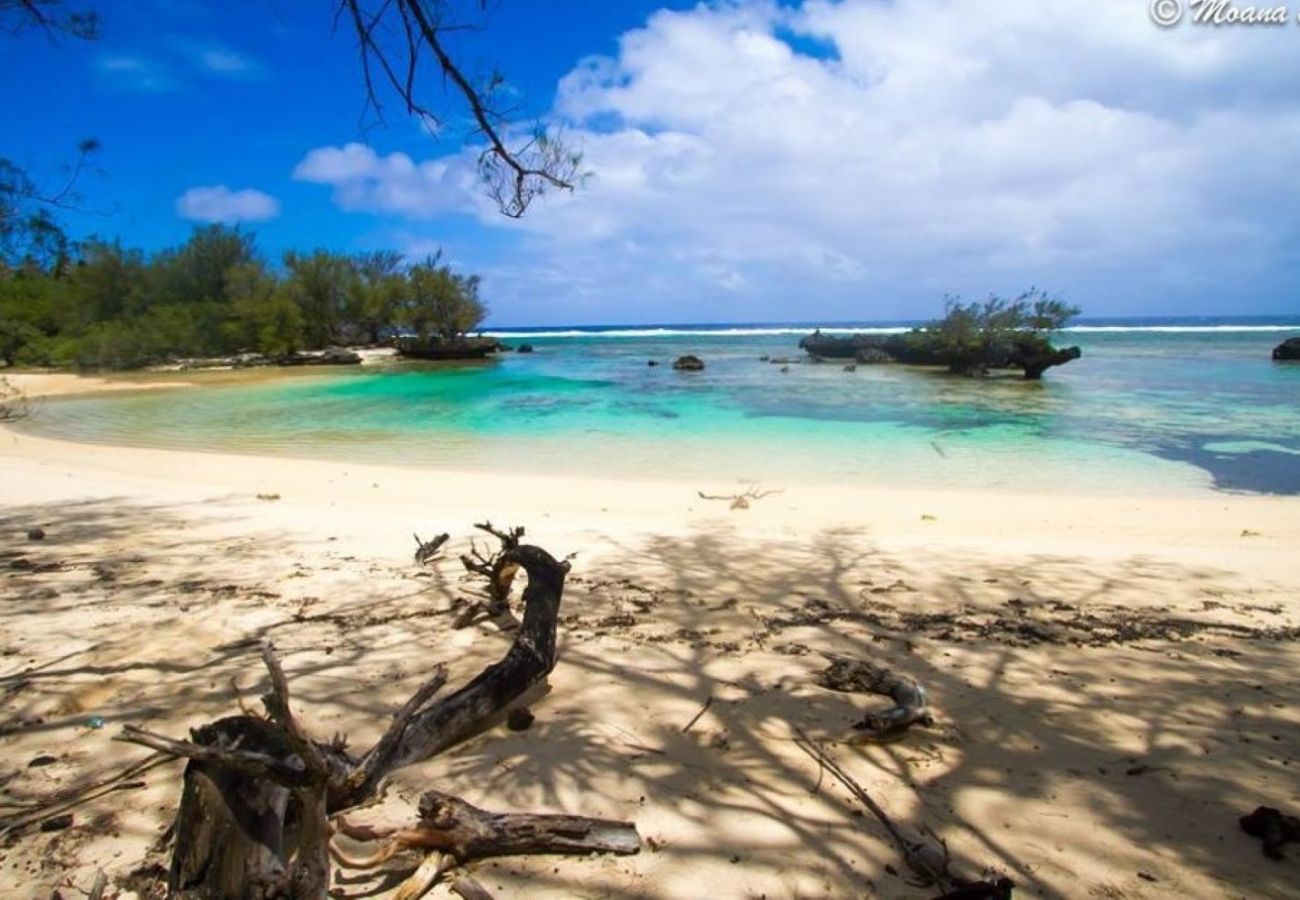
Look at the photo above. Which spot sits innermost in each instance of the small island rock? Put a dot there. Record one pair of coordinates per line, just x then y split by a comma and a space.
1288, 350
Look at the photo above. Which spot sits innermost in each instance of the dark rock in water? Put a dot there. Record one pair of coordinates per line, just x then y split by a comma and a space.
436, 348
520, 719
1029, 352
689, 363
525, 348
873, 356
1288, 350
850, 368
764, 358
652, 363
36, 534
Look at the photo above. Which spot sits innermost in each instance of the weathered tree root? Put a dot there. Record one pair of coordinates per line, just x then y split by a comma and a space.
858, 676
499, 569
253, 820
450, 825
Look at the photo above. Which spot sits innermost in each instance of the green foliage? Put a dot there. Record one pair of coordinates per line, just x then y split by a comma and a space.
440, 302
977, 336
114, 308
321, 284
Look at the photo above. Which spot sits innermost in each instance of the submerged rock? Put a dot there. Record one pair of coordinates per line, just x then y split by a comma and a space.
525, 348
1288, 350
689, 363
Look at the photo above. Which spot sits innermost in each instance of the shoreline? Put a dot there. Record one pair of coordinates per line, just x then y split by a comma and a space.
554, 456
1067, 642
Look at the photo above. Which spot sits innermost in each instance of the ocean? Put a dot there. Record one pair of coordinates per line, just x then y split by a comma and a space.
1153, 406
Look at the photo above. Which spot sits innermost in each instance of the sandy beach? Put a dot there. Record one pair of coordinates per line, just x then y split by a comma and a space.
1113, 679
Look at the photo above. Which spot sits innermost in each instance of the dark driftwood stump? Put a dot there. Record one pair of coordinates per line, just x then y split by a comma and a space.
230, 829
253, 819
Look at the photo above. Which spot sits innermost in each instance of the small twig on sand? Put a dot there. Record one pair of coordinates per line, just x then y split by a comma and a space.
65, 800
740, 501
703, 709
934, 872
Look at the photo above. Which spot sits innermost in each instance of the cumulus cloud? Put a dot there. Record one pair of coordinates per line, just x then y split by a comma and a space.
365, 181
919, 147
219, 203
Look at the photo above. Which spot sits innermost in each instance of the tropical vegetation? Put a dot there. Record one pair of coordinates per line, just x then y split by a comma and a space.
103, 306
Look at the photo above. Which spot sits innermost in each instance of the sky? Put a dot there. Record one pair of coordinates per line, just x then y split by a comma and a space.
744, 161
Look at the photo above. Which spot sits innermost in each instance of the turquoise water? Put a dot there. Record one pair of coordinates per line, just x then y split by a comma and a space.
1148, 408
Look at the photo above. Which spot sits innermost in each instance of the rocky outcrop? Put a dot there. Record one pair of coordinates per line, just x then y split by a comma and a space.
688, 363
525, 348
1031, 352
330, 356
435, 348
1288, 350
874, 355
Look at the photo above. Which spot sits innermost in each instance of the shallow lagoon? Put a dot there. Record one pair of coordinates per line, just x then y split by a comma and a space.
1148, 409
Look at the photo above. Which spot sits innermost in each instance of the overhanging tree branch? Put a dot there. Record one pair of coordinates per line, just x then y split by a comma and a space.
514, 177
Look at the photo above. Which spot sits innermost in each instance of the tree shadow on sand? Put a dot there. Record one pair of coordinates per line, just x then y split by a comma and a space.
1100, 727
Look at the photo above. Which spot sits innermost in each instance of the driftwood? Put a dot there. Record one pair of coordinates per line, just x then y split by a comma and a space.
740, 501
425, 551
499, 569
258, 792
449, 825
859, 676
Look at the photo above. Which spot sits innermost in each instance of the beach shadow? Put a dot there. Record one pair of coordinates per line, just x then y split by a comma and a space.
1100, 726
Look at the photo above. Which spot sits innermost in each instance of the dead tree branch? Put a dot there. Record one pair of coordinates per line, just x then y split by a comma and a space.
499, 569
16, 16
740, 501
254, 813
859, 676
393, 35
426, 551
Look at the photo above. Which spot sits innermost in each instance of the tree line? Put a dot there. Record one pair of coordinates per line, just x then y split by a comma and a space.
109, 307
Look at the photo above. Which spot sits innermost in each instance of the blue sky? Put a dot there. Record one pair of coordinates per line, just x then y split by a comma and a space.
748, 161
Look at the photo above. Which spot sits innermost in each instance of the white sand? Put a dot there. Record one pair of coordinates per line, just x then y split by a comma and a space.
171, 568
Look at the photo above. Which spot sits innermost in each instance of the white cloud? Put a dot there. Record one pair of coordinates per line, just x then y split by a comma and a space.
365, 181
220, 204
135, 72
940, 147
223, 61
